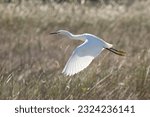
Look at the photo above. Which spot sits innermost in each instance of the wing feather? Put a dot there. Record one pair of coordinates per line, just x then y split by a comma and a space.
81, 57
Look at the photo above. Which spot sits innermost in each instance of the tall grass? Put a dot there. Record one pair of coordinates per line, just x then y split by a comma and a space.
31, 60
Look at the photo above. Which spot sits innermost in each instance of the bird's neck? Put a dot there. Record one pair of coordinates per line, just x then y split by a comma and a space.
76, 37
70, 35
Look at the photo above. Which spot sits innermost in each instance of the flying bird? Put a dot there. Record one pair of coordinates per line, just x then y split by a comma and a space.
83, 55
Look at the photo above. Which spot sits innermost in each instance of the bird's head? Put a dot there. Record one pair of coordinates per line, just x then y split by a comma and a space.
63, 32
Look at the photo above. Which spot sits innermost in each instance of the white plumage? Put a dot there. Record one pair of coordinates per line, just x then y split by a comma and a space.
83, 55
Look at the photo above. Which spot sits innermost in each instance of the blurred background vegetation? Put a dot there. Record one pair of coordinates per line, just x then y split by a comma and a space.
31, 60
100, 2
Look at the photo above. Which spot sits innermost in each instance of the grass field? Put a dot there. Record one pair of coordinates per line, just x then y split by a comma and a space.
31, 60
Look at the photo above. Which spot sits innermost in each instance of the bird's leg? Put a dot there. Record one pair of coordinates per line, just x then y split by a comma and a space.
118, 52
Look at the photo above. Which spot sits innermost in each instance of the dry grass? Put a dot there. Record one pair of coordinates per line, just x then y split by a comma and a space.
31, 60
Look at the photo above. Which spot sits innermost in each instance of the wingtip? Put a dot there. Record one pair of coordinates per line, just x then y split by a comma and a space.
67, 74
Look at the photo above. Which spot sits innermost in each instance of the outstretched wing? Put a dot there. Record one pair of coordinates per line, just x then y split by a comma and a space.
81, 57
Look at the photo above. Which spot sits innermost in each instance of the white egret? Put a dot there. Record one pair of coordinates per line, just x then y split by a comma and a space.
83, 55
